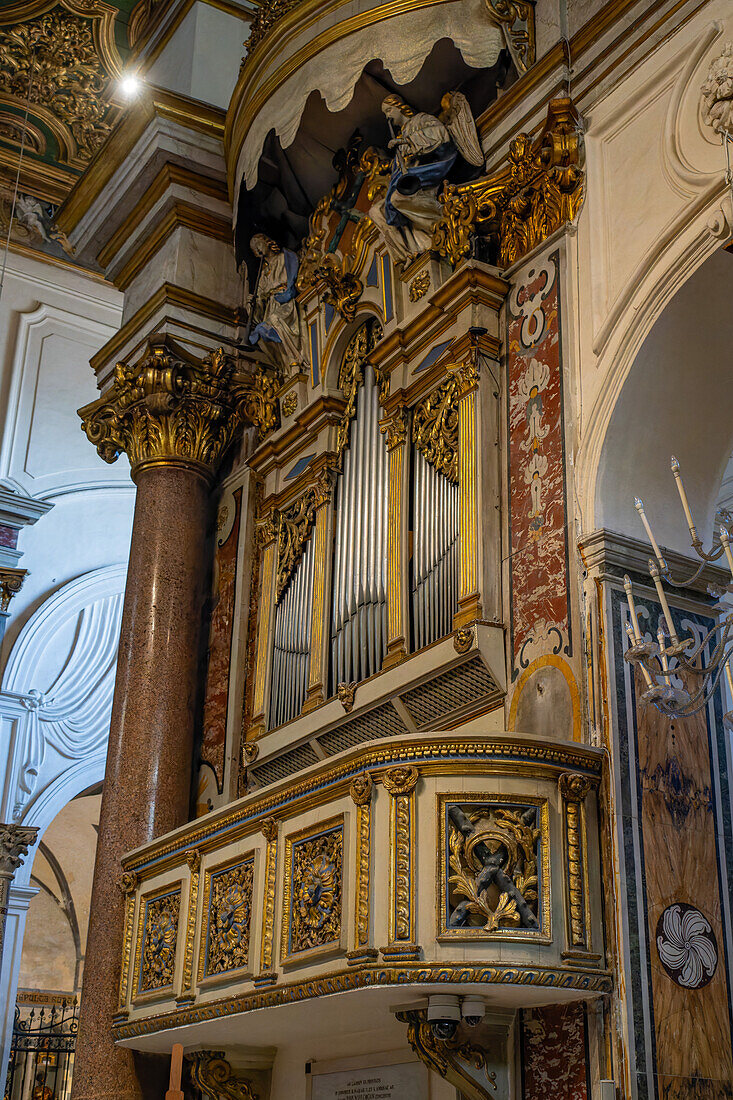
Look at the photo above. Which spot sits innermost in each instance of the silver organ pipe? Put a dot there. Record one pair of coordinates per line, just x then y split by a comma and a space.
359, 594
434, 584
291, 649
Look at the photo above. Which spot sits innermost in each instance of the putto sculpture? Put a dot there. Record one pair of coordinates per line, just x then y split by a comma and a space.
425, 149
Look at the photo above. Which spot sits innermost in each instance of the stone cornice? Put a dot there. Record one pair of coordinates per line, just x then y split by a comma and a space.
609, 554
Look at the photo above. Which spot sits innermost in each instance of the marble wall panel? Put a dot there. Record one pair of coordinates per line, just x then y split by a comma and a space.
554, 1053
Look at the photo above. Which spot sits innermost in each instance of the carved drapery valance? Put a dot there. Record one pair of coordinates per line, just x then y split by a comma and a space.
435, 429
524, 202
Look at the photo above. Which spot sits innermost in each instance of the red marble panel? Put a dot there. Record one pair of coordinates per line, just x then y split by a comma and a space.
216, 700
554, 1059
537, 493
8, 536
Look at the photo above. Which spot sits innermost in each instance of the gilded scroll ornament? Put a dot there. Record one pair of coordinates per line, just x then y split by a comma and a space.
396, 428
193, 859
289, 403
448, 1059
493, 859
361, 790
400, 782
315, 868
229, 918
339, 288
173, 407
11, 582
515, 18
69, 79
270, 828
435, 429
127, 885
296, 524
524, 202
351, 375
215, 1078
159, 938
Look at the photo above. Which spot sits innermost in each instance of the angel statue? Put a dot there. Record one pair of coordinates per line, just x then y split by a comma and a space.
275, 310
426, 149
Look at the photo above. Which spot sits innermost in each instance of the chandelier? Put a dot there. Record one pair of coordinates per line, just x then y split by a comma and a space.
680, 675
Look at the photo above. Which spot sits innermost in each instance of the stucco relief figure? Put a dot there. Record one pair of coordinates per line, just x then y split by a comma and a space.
717, 92
425, 149
277, 325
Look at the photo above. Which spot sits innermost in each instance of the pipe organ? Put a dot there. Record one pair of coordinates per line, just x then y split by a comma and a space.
291, 645
359, 600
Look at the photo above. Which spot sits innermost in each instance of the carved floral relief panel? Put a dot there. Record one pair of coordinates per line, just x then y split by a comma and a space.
313, 890
494, 867
157, 938
227, 913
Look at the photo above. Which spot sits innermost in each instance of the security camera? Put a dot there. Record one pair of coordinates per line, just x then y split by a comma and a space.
473, 1010
444, 1015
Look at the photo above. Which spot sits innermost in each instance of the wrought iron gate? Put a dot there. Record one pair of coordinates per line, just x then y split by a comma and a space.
42, 1052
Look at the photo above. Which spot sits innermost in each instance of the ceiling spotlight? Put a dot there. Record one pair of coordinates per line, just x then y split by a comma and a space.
130, 85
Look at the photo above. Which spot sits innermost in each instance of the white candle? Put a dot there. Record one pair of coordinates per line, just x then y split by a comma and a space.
639, 505
654, 573
729, 678
637, 635
663, 655
675, 466
725, 543
642, 666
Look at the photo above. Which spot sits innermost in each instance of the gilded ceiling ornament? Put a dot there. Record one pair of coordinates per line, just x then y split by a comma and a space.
215, 1078
316, 884
524, 202
229, 918
171, 406
492, 846
351, 375
296, 524
69, 79
160, 935
435, 429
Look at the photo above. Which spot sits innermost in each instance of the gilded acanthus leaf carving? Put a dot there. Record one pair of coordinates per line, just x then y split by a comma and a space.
68, 78
493, 859
160, 936
435, 429
351, 375
296, 524
230, 917
524, 202
317, 886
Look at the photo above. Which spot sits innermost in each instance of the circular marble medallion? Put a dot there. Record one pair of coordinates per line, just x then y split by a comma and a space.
687, 947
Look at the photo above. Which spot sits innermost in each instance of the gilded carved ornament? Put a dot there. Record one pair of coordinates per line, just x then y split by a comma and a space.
524, 202
448, 1058
316, 875
296, 524
71, 54
11, 582
346, 693
396, 428
214, 1076
435, 429
400, 780
171, 407
351, 375
361, 789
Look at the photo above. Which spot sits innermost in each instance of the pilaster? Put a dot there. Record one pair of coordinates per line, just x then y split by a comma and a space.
397, 431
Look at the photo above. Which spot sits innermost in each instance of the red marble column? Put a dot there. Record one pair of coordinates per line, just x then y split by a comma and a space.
148, 779
175, 417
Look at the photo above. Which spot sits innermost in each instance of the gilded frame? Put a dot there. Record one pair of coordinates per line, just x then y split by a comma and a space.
519, 935
163, 992
235, 973
336, 946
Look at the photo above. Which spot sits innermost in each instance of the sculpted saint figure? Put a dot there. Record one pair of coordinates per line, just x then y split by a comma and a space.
426, 149
276, 314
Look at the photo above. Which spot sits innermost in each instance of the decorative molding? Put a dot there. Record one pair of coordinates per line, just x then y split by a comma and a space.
270, 829
574, 789
716, 94
127, 884
15, 840
173, 408
227, 917
11, 582
400, 783
361, 791
419, 286
312, 917
515, 19
193, 859
370, 975
523, 203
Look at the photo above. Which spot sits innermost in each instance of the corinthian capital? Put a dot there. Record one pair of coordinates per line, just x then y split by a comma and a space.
172, 408
15, 841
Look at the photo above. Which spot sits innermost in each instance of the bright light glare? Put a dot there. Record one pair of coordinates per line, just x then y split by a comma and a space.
130, 85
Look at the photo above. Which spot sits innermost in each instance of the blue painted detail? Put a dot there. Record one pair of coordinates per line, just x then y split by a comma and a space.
315, 361
373, 276
330, 313
299, 466
432, 357
387, 288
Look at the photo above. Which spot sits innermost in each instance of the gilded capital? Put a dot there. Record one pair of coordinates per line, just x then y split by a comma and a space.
171, 408
11, 582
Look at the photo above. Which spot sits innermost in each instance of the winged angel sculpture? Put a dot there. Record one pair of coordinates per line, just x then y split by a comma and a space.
425, 149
